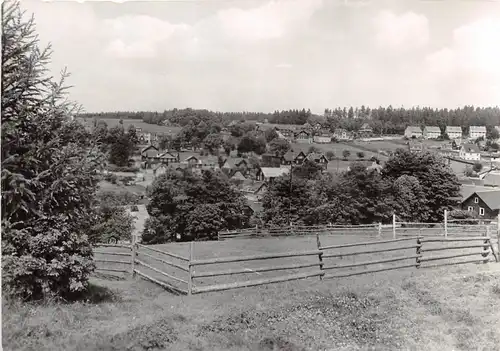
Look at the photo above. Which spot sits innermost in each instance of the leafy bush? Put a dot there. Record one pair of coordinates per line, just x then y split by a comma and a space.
49, 173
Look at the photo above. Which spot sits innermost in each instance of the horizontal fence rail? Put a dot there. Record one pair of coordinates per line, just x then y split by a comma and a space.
413, 245
106, 260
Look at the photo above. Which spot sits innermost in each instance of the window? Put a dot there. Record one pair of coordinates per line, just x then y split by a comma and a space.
470, 209
481, 211
476, 200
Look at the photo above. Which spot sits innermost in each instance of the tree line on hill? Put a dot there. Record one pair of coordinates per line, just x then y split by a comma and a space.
383, 120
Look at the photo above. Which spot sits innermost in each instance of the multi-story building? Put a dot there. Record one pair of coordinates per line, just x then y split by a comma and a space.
454, 132
477, 132
413, 132
431, 132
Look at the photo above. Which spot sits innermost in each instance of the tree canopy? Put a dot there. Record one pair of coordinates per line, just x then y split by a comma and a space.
193, 207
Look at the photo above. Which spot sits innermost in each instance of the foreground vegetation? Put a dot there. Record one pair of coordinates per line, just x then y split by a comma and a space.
421, 310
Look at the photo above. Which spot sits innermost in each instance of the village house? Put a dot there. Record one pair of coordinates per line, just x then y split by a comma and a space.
431, 132
485, 204
319, 159
254, 190
454, 132
237, 175
366, 129
323, 137
342, 134
416, 146
412, 132
492, 178
268, 174
293, 158
149, 153
235, 163
477, 132
470, 152
303, 137
286, 134
168, 158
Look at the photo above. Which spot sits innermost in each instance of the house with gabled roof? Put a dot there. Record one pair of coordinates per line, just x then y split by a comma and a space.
254, 190
150, 152
492, 178
342, 134
319, 159
365, 129
454, 132
412, 132
477, 132
235, 163
237, 175
470, 152
268, 174
167, 157
303, 137
322, 136
431, 132
484, 204
293, 157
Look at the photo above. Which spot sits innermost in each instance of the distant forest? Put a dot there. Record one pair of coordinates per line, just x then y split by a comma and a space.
383, 120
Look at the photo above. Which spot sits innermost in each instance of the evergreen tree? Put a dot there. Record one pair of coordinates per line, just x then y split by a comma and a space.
48, 175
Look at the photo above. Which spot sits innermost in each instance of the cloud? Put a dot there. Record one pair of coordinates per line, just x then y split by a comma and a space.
269, 21
469, 69
139, 36
401, 33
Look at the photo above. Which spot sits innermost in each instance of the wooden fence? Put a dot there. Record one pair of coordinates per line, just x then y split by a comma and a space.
363, 230
324, 261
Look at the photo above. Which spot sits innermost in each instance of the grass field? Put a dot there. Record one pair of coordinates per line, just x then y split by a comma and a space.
138, 123
453, 308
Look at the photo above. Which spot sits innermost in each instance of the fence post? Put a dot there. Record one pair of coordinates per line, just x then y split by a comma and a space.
498, 235
419, 253
394, 226
133, 255
445, 223
379, 229
320, 255
190, 281
486, 242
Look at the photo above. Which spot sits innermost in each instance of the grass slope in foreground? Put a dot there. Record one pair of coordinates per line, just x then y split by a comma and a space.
443, 309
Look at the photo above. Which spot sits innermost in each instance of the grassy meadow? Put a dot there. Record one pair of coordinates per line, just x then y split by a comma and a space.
440, 309
138, 123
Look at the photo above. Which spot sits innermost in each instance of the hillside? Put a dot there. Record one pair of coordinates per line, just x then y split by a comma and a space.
424, 310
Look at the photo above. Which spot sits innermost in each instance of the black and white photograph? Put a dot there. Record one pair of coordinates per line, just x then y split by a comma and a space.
250, 175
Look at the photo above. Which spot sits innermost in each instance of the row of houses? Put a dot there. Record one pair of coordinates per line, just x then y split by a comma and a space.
453, 132
466, 151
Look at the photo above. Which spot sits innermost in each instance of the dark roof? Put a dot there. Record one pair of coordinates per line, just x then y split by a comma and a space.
289, 156
255, 206
314, 156
490, 198
492, 179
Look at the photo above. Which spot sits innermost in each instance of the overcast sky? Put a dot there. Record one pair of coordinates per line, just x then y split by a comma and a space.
234, 55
